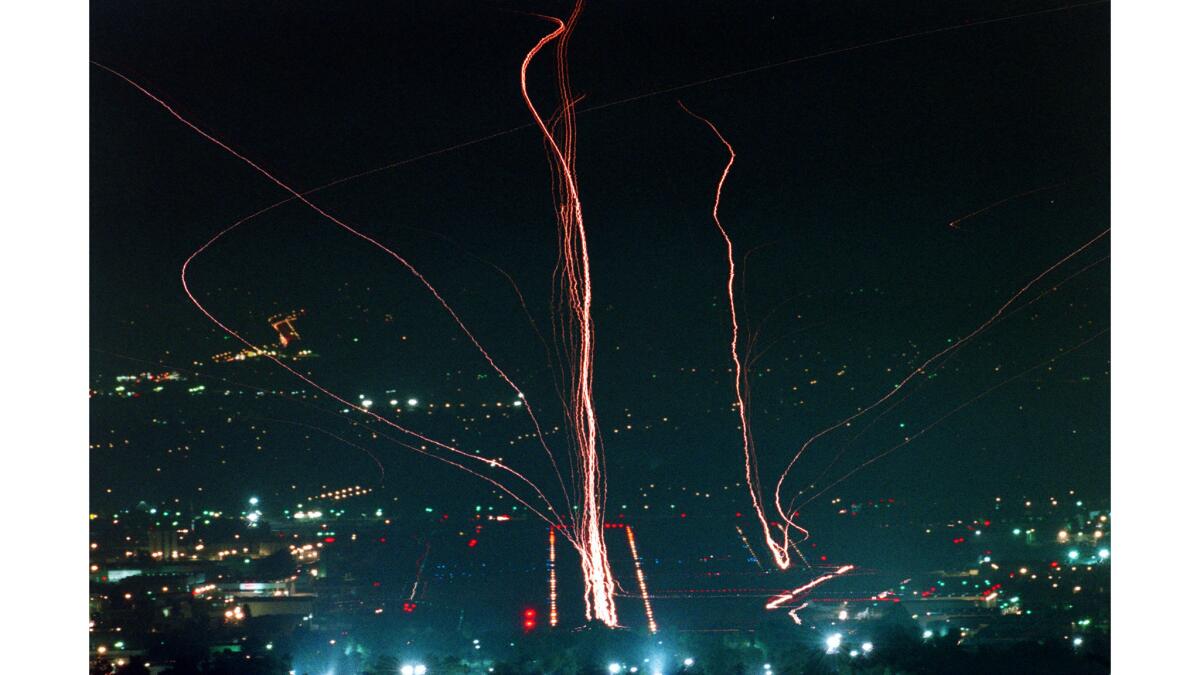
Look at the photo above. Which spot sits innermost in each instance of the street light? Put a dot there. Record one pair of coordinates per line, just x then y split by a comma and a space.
833, 643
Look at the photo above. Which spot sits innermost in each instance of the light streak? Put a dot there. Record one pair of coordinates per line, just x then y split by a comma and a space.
183, 278
784, 598
412, 596
793, 612
576, 290
958, 221
749, 549
553, 582
788, 514
641, 580
779, 551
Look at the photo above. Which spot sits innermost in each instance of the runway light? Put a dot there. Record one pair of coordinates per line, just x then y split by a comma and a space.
833, 643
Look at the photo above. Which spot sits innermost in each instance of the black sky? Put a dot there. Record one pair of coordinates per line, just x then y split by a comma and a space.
849, 169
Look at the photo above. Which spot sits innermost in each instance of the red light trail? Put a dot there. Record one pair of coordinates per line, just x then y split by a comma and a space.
784, 598
575, 288
576, 331
550, 515
779, 551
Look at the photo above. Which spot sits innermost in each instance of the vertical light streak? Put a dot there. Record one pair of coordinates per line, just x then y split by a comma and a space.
576, 287
641, 580
778, 551
553, 582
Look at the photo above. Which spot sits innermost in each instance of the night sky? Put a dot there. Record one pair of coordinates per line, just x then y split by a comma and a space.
850, 168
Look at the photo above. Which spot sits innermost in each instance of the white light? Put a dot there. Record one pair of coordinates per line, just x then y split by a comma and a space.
412, 401
614, 667
843, 615
1104, 554
367, 403
833, 643
253, 501
1077, 641
766, 666
517, 404
407, 670
1072, 554
420, 669
853, 653
867, 647
689, 661
393, 403
927, 634
252, 517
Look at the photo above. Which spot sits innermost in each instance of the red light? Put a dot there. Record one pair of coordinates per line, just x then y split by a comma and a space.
410, 607
529, 613
472, 543
330, 540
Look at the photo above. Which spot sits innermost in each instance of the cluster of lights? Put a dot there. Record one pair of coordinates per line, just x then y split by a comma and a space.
343, 493
413, 669
234, 615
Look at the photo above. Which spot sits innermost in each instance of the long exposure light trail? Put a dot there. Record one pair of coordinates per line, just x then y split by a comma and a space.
788, 514
491, 462
785, 598
553, 579
576, 289
779, 551
641, 580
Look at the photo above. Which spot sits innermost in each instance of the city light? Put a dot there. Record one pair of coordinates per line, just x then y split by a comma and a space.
867, 647
1103, 553
253, 501
614, 667
833, 643
1073, 554
689, 662
927, 634
412, 401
